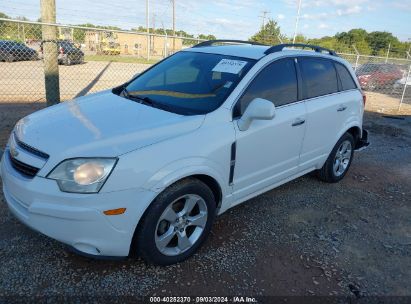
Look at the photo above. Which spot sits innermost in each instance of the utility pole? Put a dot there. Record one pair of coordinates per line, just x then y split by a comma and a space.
174, 25
297, 20
153, 40
51, 68
148, 30
388, 52
263, 16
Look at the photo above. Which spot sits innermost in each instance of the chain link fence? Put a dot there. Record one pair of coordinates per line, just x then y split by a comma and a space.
94, 59
88, 59
384, 75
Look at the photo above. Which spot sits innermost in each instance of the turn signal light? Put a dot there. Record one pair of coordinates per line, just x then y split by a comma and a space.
115, 211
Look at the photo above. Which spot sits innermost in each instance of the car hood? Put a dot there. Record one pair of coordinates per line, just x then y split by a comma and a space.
101, 124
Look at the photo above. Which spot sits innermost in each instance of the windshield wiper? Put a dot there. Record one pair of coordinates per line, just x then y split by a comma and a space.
145, 100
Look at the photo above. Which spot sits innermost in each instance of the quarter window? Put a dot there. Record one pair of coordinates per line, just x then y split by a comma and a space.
319, 77
276, 83
346, 79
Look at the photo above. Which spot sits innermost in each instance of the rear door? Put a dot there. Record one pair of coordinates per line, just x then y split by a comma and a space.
327, 109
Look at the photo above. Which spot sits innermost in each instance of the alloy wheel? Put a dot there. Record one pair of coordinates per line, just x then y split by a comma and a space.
181, 224
342, 158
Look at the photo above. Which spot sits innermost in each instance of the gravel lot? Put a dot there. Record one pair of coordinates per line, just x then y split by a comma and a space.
24, 80
303, 238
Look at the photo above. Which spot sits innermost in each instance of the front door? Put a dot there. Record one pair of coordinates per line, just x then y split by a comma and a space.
268, 151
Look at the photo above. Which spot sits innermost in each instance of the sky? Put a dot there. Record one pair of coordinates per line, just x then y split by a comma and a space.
231, 19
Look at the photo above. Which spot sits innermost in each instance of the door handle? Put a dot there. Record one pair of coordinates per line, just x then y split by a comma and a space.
341, 108
298, 122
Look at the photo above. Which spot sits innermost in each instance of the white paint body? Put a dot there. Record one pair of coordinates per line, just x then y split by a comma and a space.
156, 148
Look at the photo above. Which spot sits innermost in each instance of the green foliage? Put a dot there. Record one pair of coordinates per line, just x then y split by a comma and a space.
374, 43
270, 34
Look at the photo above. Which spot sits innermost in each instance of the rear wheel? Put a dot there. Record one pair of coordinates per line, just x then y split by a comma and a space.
176, 224
339, 160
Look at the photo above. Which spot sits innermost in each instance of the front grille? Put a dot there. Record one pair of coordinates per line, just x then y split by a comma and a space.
26, 170
30, 149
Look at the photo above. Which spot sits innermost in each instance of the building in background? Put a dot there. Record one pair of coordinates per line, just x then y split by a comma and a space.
116, 43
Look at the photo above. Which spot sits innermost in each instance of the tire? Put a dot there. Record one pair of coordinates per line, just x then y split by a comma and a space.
162, 234
68, 61
329, 172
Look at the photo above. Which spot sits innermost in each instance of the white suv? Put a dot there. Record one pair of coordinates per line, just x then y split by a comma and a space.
146, 167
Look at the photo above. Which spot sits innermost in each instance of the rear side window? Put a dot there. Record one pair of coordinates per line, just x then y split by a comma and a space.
276, 83
319, 77
346, 79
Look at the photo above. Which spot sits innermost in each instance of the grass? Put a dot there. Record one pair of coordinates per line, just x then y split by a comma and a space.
118, 58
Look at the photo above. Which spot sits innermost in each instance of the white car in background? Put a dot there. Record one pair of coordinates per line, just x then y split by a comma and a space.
147, 166
399, 84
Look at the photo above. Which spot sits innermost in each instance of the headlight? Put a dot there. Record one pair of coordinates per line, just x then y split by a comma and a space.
82, 175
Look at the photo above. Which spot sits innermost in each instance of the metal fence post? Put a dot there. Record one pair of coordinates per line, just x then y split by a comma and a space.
405, 87
51, 68
358, 57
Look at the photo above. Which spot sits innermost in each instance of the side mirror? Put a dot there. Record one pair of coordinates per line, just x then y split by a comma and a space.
258, 108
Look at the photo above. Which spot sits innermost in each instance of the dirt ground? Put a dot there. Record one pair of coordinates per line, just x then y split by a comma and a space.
304, 238
24, 80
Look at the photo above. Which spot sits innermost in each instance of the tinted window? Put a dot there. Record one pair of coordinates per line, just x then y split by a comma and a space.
66, 45
319, 77
276, 83
346, 80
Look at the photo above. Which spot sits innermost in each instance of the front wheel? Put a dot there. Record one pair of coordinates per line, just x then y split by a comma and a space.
339, 160
176, 224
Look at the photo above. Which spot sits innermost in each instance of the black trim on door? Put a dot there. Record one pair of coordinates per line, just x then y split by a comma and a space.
232, 162
299, 79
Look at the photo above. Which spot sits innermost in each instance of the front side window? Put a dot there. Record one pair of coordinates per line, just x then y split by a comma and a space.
347, 82
319, 77
276, 83
189, 83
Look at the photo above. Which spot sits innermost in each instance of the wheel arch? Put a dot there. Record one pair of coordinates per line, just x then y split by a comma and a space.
352, 127
355, 131
208, 180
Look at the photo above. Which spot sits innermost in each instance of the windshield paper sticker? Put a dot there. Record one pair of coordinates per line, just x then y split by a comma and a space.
229, 66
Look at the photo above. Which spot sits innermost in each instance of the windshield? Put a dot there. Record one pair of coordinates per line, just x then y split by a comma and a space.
189, 83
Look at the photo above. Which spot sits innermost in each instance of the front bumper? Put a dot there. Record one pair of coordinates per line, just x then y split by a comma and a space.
75, 219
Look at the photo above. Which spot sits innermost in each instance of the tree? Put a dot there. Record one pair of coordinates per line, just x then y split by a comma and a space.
270, 34
207, 37
379, 42
300, 38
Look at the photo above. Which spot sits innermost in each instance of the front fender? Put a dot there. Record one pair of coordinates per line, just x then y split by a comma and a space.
186, 167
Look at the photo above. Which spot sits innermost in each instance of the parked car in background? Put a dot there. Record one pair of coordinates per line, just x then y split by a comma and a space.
399, 84
68, 53
147, 166
374, 76
16, 51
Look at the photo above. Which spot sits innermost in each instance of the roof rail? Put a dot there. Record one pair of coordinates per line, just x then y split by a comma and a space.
211, 42
280, 47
